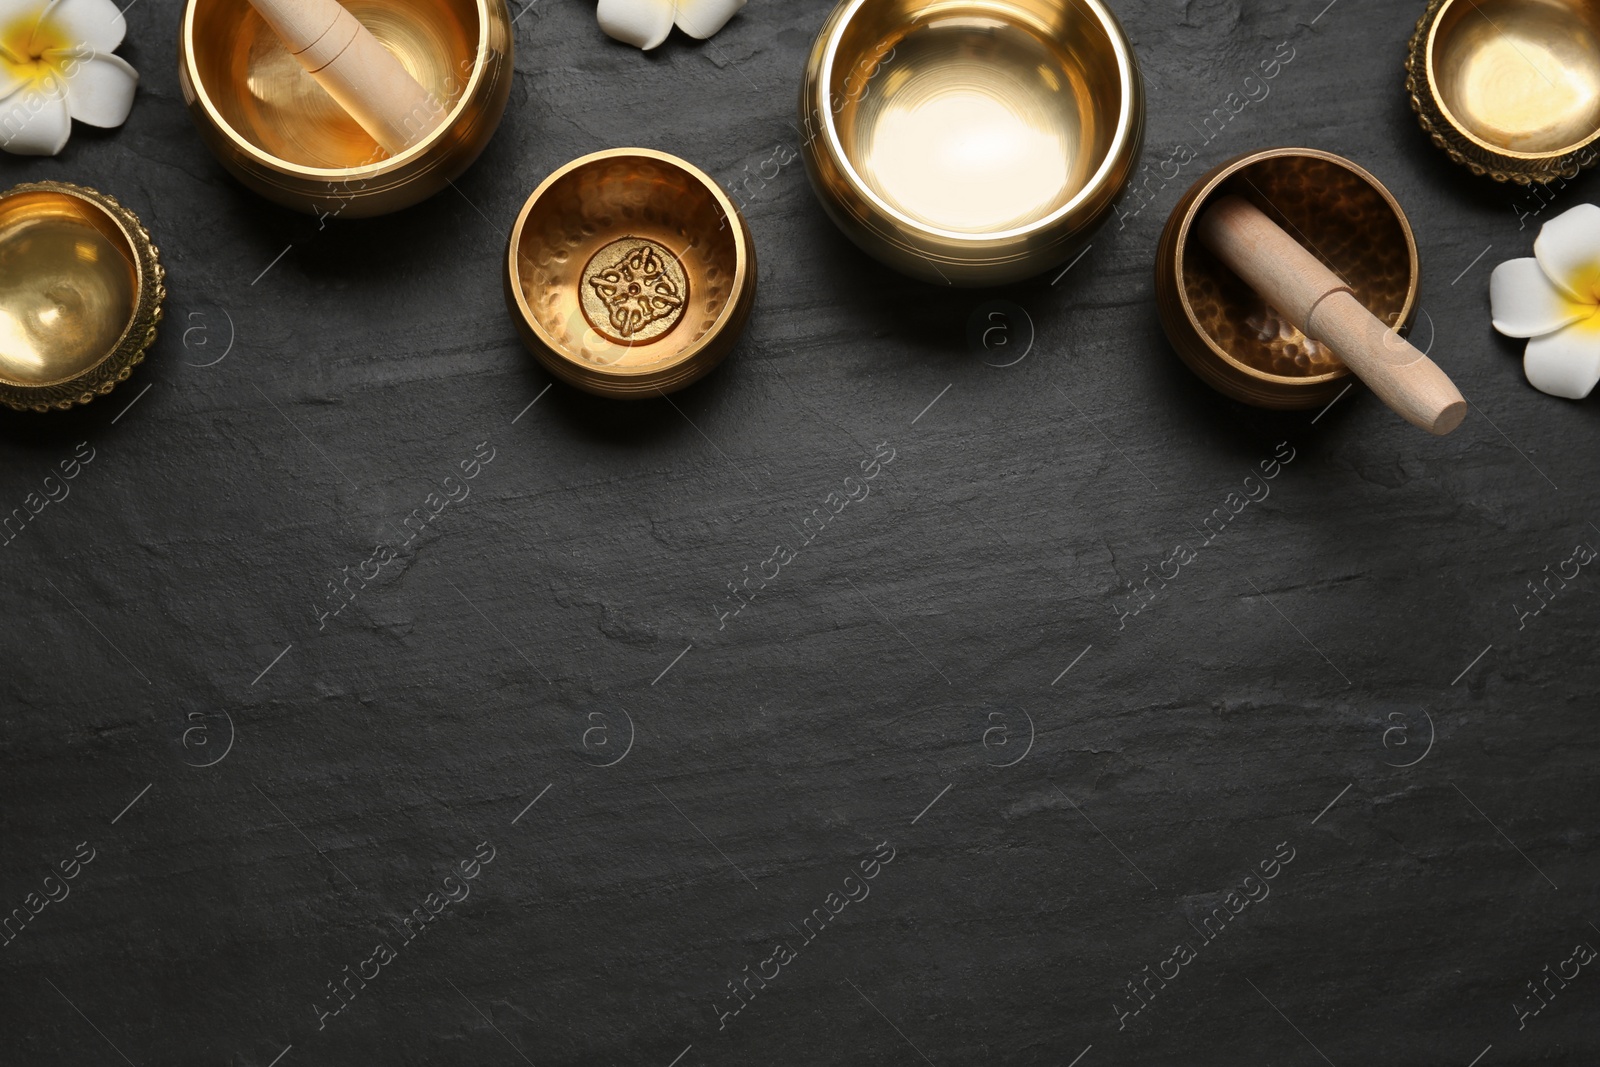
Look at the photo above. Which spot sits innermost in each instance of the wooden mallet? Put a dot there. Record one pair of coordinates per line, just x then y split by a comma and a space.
1314, 299
355, 68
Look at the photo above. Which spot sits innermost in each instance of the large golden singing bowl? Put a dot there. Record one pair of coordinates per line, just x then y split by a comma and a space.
1510, 88
630, 273
1231, 338
971, 142
81, 288
279, 133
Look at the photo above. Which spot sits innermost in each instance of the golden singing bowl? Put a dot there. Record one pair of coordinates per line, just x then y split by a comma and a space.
1227, 334
1510, 88
278, 132
630, 273
81, 288
971, 142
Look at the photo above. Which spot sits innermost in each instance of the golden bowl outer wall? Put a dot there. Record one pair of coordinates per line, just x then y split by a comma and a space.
1037, 104
1510, 88
81, 289
275, 129
1338, 210
586, 217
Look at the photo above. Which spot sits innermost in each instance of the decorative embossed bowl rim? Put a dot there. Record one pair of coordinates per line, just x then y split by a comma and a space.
1461, 143
149, 292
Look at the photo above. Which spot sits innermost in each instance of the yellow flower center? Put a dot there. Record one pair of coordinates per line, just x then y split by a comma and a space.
34, 50
1586, 283
1590, 282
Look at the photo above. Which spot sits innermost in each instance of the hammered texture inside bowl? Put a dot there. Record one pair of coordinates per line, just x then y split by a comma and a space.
1223, 329
1333, 212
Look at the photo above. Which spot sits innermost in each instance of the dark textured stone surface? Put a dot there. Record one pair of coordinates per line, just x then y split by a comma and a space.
503, 655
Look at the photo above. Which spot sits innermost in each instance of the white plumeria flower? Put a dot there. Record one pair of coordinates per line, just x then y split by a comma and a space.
1554, 299
646, 23
55, 66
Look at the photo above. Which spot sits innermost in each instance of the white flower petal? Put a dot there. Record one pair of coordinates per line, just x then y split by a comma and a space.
96, 23
702, 18
1524, 303
9, 82
1566, 363
100, 90
642, 23
1568, 249
34, 122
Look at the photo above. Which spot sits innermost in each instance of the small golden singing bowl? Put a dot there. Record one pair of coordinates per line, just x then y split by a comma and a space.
275, 129
1510, 88
971, 142
81, 288
1228, 335
630, 273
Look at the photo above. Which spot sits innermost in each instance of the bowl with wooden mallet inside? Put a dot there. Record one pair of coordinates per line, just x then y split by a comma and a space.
1281, 273
346, 110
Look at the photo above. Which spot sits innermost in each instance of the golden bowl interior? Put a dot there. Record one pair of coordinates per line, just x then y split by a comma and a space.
627, 262
268, 100
975, 116
1519, 76
68, 287
1351, 225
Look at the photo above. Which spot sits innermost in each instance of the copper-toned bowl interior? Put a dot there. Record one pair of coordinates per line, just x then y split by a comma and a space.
1519, 76
267, 98
1351, 226
68, 287
976, 116
627, 262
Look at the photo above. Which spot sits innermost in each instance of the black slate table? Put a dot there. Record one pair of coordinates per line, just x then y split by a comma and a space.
935, 795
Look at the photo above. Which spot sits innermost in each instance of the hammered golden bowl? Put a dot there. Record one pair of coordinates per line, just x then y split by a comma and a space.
81, 288
1510, 88
1232, 339
971, 142
630, 273
275, 129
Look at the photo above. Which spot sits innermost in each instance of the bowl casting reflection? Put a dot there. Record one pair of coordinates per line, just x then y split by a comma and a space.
971, 142
276, 130
81, 287
1510, 88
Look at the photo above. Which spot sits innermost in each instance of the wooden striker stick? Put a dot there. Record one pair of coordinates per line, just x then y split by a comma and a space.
356, 69
1320, 305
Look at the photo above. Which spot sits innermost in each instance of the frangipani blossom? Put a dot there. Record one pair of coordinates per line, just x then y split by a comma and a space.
1554, 299
55, 66
646, 23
